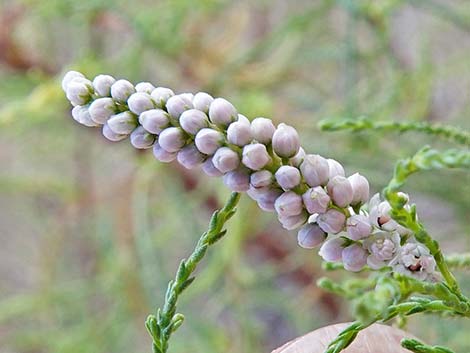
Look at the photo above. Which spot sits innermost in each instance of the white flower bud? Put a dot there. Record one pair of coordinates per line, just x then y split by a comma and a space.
160, 96
208, 140
226, 160
360, 187
142, 139
190, 157
288, 177
222, 112
122, 123
163, 155
262, 130
286, 141
68, 77
101, 110
243, 119
335, 168
332, 250
237, 180
310, 236
316, 200
102, 85
354, 258
176, 105
297, 160
112, 136
266, 198
293, 222
81, 114
193, 120
145, 87
121, 90
202, 101
209, 168
140, 102
239, 133
255, 156
332, 221
358, 227
172, 139
288, 204
261, 179
79, 91
315, 170
154, 120
340, 190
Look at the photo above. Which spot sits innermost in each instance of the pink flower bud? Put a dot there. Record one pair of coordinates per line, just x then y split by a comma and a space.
239, 133
315, 170
286, 141
255, 156
141, 138
145, 87
354, 257
237, 180
68, 77
209, 168
172, 139
79, 91
310, 236
261, 178
222, 112
163, 155
193, 120
332, 221
209, 140
316, 200
176, 105
154, 120
123, 123
112, 136
358, 227
334, 168
288, 177
160, 96
190, 157
140, 102
262, 130
340, 191
288, 204
121, 90
81, 114
360, 187
226, 160
332, 250
297, 160
102, 85
293, 222
266, 198
101, 110
202, 101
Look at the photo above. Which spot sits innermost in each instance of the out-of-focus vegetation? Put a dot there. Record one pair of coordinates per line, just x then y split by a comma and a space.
91, 231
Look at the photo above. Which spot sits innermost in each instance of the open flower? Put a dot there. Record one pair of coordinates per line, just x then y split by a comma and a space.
382, 247
415, 260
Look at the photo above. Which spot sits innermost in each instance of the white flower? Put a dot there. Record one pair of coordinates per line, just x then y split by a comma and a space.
415, 260
382, 246
379, 215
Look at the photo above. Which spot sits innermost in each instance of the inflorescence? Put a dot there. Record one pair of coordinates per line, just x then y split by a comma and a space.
307, 191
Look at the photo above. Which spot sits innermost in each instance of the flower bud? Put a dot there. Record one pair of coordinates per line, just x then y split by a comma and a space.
354, 257
310, 236
68, 77
202, 101
262, 130
266, 198
261, 178
239, 133
226, 160
79, 91
358, 227
332, 221
160, 96
154, 120
208, 140
209, 168
101, 109
81, 114
163, 155
286, 141
193, 120
340, 190
237, 180
297, 160
144, 87
334, 168
293, 222
172, 139
112, 136
222, 112
176, 105
315, 170
360, 187
139, 102
332, 250
102, 85
243, 119
190, 157
288, 204
316, 200
287, 177
122, 123
141, 138
121, 90
255, 156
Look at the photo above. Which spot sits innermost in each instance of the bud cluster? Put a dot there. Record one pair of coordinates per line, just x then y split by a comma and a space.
307, 191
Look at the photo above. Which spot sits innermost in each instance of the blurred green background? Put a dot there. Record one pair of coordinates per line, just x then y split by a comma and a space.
91, 232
